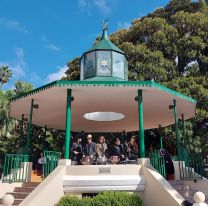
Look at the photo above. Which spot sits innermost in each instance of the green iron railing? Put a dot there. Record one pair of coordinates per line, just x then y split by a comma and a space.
191, 166
15, 168
158, 162
50, 162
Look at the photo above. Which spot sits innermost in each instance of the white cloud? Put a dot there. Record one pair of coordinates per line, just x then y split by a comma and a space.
49, 45
53, 47
123, 25
13, 25
57, 75
17, 65
104, 6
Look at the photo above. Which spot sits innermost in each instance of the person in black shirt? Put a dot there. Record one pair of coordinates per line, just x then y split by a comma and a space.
118, 149
169, 167
77, 150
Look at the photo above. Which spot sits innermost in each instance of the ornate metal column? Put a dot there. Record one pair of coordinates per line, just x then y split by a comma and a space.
68, 123
161, 138
35, 106
141, 124
21, 137
184, 131
176, 128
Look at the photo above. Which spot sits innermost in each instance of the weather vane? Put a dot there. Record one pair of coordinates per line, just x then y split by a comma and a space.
104, 25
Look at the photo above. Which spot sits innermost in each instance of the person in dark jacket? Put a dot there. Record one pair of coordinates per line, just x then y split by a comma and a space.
90, 147
77, 150
118, 149
169, 167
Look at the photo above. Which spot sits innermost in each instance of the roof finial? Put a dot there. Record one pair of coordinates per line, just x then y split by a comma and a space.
104, 27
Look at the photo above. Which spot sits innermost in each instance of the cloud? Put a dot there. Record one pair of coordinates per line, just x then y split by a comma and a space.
18, 64
57, 75
104, 6
123, 25
49, 45
53, 47
13, 25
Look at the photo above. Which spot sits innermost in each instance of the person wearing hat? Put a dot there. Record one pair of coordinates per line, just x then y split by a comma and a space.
90, 147
76, 151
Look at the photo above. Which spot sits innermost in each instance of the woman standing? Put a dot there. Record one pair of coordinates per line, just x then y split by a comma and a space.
132, 149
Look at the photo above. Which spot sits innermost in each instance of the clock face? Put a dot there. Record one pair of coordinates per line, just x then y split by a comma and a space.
104, 66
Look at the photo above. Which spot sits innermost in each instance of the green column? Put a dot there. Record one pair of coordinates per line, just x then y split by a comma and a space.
176, 129
184, 131
21, 137
68, 123
141, 124
29, 127
44, 138
161, 138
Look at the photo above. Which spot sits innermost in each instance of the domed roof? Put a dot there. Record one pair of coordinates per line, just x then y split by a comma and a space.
105, 43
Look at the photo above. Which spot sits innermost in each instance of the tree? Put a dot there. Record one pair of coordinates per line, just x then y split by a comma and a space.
22, 87
5, 74
170, 46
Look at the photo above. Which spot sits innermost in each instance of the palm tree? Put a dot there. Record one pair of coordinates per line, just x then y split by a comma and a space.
5, 74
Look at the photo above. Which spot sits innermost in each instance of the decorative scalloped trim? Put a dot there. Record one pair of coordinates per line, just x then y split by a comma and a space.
62, 83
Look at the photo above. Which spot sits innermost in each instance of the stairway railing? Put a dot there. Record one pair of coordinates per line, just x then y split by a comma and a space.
50, 162
15, 168
158, 162
191, 165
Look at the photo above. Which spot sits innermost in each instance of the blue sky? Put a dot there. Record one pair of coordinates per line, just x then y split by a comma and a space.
38, 37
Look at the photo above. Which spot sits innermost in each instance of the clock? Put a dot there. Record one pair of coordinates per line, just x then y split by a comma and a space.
104, 66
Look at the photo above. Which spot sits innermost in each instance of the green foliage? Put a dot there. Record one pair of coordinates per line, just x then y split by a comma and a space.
170, 46
5, 74
103, 199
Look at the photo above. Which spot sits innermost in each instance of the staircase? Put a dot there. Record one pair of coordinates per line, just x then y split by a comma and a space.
185, 190
20, 193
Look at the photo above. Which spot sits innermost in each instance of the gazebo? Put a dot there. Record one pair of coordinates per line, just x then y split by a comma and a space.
103, 100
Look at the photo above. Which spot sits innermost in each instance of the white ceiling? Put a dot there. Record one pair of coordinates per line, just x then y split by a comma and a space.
52, 107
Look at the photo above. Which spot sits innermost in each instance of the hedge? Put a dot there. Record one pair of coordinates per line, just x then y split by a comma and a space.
103, 199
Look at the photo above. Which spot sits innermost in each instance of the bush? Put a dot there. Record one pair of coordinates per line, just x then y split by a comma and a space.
104, 199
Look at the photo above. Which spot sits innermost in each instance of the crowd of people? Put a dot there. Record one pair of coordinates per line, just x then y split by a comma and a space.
98, 153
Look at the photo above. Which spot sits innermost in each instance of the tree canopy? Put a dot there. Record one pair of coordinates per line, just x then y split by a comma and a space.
169, 46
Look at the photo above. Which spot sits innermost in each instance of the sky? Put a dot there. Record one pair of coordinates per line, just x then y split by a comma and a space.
39, 37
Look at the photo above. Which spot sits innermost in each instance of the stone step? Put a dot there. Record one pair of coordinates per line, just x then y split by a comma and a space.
19, 195
24, 189
30, 184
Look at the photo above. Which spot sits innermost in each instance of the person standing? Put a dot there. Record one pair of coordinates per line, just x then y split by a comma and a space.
101, 147
77, 150
118, 149
132, 149
90, 147
169, 167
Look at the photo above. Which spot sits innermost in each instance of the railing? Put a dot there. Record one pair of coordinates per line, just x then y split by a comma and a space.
158, 162
15, 168
50, 162
191, 166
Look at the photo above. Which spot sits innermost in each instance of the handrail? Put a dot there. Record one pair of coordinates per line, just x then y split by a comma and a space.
158, 162
15, 168
50, 162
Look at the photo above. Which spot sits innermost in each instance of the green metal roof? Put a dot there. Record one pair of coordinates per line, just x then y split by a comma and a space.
105, 44
62, 83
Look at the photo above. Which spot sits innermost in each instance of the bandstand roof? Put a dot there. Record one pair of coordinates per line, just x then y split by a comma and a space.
102, 96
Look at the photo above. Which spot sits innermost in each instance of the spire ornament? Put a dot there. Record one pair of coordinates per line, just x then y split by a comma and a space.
104, 27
